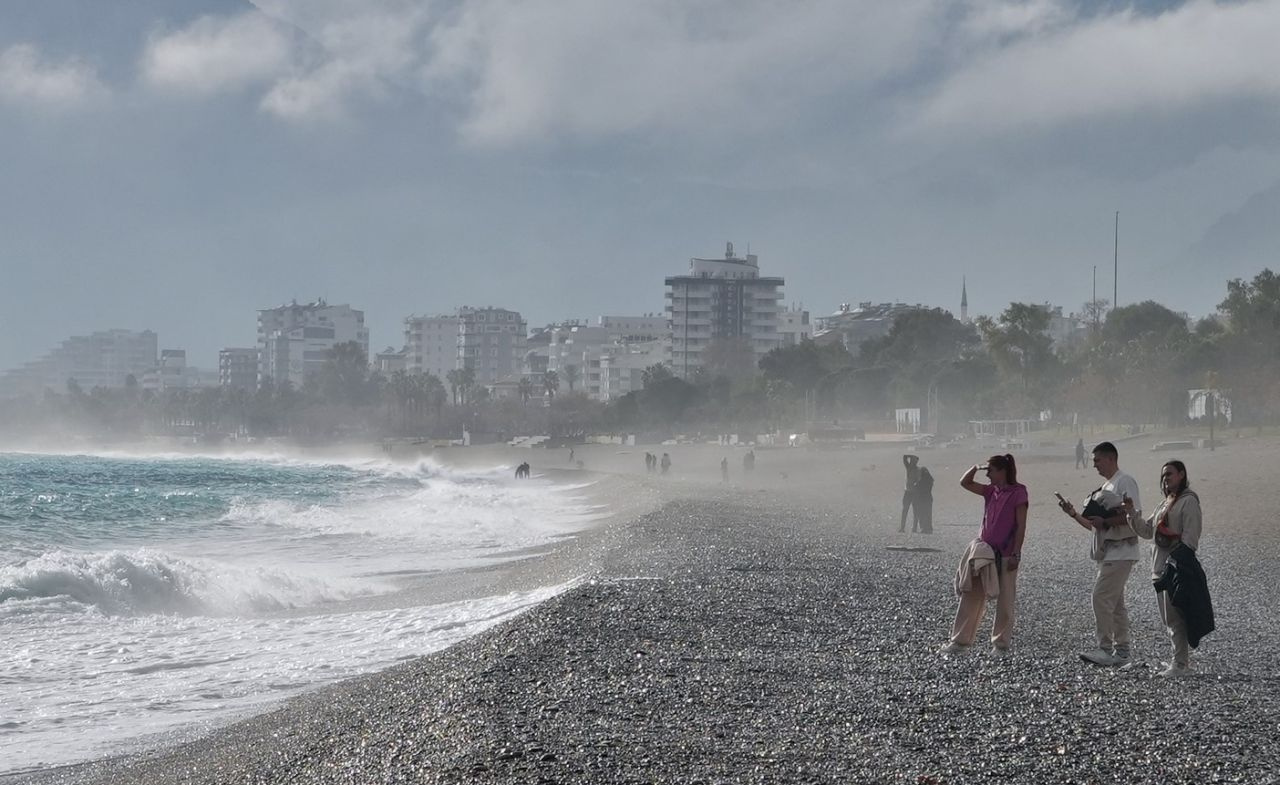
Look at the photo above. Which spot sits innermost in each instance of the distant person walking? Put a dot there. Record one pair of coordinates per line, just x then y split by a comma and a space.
749, 461
1080, 464
998, 550
666, 463
570, 455
912, 464
724, 470
1175, 527
1114, 546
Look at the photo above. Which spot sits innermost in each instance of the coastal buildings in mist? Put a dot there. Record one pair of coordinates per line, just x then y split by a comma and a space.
722, 310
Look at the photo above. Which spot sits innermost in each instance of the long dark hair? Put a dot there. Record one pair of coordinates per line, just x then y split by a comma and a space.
1006, 464
1182, 469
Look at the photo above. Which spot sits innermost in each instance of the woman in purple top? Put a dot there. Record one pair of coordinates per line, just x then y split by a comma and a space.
1004, 525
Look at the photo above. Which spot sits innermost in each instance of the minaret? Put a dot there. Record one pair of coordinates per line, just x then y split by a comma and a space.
964, 301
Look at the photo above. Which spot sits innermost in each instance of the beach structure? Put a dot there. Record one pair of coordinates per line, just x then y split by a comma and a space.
294, 340
721, 300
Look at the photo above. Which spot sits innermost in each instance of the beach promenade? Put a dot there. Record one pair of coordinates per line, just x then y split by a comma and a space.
762, 632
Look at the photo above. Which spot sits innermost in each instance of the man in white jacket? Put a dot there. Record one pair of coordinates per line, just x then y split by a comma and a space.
1115, 549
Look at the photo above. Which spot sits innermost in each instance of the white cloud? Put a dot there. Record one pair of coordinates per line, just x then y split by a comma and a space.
526, 69
27, 78
1124, 64
215, 54
363, 48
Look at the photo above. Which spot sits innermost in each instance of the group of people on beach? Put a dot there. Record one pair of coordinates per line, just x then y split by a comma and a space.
653, 464
1114, 517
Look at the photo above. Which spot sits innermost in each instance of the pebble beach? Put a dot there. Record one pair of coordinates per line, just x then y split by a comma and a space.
777, 628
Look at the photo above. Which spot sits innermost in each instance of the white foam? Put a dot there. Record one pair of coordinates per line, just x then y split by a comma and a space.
71, 696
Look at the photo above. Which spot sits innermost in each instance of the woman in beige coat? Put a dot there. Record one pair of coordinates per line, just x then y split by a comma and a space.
1177, 519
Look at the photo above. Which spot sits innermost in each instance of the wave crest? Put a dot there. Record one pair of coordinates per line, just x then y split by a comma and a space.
144, 582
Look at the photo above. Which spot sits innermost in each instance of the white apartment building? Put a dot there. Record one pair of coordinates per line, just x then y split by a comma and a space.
622, 367
172, 373
794, 326
634, 329
103, 359
491, 342
721, 299
294, 340
431, 344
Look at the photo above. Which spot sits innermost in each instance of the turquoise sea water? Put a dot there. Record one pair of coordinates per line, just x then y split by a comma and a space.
143, 595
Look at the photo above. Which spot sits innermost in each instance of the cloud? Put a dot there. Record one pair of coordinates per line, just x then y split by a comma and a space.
1118, 65
529, 69
217, 54
362, 48
27, 78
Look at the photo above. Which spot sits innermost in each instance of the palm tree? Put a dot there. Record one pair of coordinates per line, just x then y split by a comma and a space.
467, 378
455, 383
550, 383
571, 376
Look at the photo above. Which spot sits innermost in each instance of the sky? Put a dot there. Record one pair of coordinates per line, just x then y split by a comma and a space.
176, 165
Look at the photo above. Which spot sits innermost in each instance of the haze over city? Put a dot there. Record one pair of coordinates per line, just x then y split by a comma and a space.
176, 166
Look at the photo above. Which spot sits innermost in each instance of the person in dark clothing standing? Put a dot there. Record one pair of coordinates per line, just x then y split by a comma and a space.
912, 464
922, 504
1080, 455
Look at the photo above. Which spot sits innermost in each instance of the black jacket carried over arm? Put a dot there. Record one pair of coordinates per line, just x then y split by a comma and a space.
1188, 590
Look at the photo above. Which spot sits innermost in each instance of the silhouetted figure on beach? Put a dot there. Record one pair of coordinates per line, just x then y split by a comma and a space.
922, 504
749, 461
570, 455
912, 464
1080, 454
522, 471
724, 469
666, 463
648, 462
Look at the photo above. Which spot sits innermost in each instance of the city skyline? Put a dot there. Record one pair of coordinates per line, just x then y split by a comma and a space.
174, 165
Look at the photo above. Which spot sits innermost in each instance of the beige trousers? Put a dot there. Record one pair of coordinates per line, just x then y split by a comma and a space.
1110, 615
1177, 628
973, 604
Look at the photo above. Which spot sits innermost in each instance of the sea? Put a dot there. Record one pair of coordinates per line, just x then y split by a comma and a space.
144, 598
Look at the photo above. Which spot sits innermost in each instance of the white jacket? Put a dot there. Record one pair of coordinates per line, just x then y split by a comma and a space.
978, 564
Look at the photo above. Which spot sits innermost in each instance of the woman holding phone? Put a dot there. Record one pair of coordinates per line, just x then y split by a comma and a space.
1004, 526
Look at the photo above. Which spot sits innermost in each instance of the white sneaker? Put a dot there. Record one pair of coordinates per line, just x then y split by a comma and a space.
1173, 671
1098, 657
953, 648
1001, 652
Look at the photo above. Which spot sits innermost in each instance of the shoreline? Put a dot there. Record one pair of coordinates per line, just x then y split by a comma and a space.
759, 631
719, 645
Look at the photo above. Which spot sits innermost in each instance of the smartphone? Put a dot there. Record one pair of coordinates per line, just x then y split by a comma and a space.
1060, 499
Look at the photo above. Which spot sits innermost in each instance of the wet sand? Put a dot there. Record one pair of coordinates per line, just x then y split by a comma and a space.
761, 631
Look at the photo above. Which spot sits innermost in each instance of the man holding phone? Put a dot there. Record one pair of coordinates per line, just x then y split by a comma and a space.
1115, 549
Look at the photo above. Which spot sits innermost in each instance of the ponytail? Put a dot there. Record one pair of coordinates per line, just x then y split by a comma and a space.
1008, 465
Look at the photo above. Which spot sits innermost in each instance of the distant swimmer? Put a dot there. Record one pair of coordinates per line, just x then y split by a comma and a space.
989, 567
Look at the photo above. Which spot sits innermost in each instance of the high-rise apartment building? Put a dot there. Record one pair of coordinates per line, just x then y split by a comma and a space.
103, 359
721, 300
294, 340
431, 344
491, 342
238, 368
